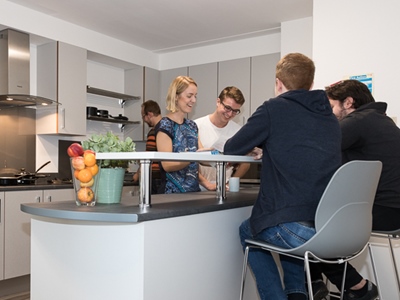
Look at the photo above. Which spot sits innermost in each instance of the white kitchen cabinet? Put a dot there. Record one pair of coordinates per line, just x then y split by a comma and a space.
237, 73
15, 228
58, 195
262, 79
61, 75
17, 232
206, 78
1, 235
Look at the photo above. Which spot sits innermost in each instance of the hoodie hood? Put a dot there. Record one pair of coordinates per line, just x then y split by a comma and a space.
315, 101
378, 106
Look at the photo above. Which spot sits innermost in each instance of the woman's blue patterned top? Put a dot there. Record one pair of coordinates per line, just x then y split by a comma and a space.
184, 139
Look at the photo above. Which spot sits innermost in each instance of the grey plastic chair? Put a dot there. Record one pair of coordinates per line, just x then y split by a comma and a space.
343, 221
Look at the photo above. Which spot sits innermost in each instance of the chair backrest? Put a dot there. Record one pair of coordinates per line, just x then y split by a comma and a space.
343, 219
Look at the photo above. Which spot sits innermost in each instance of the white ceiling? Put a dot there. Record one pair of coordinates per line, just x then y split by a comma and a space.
169, 25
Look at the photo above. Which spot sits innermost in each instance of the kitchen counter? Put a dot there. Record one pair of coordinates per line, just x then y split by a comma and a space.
184, 246
29, 187
176, 246
164, 206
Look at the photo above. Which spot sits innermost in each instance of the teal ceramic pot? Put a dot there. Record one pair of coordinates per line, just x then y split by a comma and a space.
109, 188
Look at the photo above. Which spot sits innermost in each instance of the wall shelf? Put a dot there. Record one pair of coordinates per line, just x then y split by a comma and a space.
122, 123
96, 91
101, 119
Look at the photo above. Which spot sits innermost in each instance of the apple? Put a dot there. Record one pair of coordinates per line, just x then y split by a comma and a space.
75, 149
78, 162
85, 194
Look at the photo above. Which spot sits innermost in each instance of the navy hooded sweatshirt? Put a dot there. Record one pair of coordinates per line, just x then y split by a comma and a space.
301, 142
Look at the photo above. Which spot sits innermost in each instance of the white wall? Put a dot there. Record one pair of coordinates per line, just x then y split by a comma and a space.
297, 36
357, 37
221, 52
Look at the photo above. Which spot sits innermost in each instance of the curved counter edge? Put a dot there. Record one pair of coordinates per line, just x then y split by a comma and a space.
165, 206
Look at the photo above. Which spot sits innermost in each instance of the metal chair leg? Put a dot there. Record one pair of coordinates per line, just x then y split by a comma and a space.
244, 271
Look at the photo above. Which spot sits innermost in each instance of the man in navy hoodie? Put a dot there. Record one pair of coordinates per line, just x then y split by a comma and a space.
300, 138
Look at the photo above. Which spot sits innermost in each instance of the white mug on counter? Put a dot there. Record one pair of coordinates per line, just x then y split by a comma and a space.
234, 184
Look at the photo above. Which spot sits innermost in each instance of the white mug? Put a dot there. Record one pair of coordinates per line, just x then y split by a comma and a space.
234, 184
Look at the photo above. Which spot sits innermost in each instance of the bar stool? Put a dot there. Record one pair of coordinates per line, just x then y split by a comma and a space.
390, 235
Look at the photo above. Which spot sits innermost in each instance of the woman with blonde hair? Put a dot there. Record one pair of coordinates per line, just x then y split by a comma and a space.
175, 133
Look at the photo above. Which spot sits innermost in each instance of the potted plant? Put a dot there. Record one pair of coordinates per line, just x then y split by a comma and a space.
112, 171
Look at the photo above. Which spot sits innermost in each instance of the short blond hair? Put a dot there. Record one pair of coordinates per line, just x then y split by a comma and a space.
296, 71
177, 86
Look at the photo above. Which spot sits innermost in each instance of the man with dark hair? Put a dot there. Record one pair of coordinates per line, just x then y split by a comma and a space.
367, 134
300, 139
151, 115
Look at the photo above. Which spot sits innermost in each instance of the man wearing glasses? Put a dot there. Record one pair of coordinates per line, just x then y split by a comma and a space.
215, 129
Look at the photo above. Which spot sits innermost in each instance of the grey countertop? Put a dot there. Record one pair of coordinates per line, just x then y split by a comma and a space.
163, 206
28, 187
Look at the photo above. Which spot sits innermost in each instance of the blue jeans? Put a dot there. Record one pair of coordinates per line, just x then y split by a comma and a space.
286, 235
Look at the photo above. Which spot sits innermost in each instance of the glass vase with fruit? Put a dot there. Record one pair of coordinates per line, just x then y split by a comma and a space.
85, 174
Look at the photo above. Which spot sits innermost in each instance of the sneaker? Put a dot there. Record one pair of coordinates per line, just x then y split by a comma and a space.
371, 294
320, 291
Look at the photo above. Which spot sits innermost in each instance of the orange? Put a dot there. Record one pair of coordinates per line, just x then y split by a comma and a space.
88, 184
94, 169
85, 175
89, 159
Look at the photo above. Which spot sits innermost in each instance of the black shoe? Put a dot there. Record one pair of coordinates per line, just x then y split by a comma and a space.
372, 293
320, 291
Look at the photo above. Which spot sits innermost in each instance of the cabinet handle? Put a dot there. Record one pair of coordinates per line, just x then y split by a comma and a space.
49, 198
37, 199
62, 118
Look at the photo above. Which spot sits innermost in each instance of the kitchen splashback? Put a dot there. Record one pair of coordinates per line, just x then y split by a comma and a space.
17, 136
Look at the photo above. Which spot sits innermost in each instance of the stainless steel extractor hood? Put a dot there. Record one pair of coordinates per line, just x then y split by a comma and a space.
14, 71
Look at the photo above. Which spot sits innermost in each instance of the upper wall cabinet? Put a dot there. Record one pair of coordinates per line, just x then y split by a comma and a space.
236, 73
61, 75
262, 79
206, 78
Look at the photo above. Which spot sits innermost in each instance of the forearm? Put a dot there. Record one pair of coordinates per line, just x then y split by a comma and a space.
206, 184
171, 166
241, 170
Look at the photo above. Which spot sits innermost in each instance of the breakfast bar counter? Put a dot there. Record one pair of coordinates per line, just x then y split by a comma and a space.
183, 246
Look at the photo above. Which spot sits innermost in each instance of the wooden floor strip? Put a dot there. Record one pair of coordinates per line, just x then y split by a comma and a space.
20, 296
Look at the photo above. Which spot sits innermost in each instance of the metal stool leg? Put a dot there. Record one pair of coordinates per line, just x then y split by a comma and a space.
244, 271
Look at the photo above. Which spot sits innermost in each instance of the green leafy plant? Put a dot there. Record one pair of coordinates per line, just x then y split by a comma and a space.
109, 142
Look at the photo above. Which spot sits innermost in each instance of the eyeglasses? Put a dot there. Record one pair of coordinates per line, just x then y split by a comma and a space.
229, 109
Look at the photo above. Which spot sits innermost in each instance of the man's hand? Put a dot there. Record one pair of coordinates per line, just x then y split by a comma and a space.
257, 153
